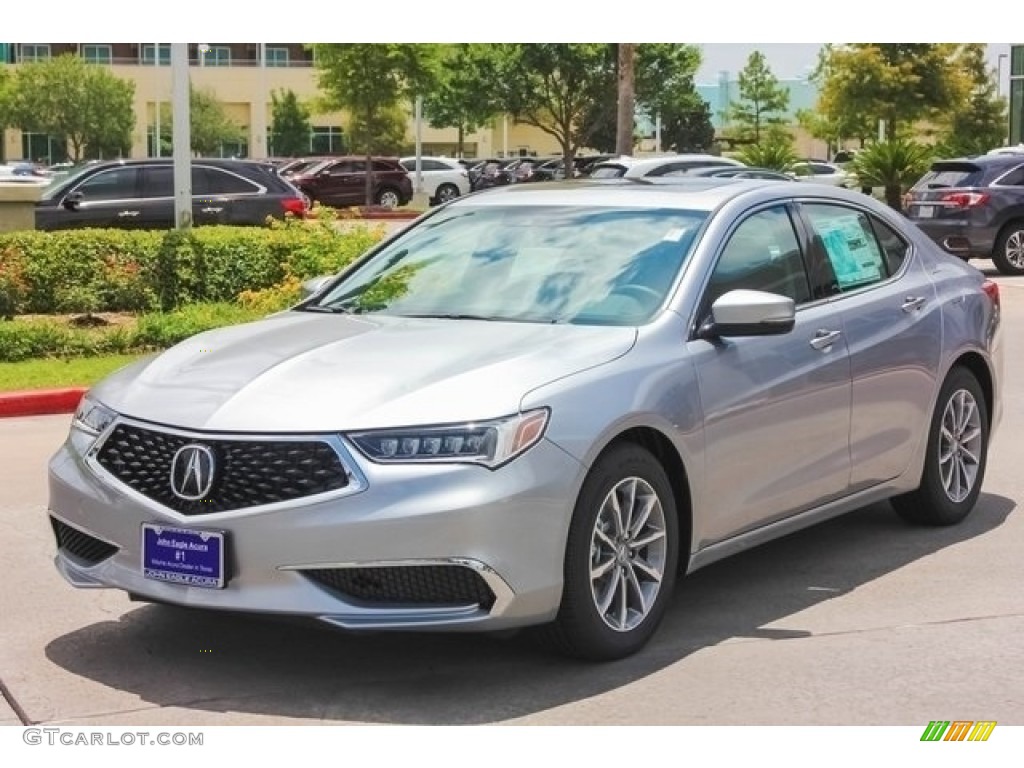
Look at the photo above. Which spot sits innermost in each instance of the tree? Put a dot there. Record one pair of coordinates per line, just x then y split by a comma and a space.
774, 151
978, 122
71, 98
463, 98
763, 101
383, 134
554, 87
366, 79
626, 99
895, 164
290, 126
209, 124
900, 83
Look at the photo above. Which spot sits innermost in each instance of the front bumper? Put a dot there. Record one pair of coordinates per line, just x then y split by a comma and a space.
508, 527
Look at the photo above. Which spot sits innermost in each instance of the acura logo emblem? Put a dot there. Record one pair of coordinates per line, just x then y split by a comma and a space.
192, 472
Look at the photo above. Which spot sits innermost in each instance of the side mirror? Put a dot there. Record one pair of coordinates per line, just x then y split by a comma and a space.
314, 286
749, 313
72, 201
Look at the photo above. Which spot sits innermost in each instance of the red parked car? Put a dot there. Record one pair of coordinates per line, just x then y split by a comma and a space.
341, 181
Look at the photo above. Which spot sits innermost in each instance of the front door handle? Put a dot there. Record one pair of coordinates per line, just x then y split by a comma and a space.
913, 303
825, 338
122, 214
211, 210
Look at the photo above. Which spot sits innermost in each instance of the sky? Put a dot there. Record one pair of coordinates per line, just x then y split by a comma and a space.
793, 60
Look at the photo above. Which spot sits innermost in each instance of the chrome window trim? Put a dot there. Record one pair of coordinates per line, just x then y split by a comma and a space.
357, 481
260, 189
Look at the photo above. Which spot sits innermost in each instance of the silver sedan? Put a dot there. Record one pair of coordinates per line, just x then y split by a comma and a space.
540, 406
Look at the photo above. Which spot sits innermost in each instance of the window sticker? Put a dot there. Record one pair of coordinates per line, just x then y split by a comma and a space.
854, 253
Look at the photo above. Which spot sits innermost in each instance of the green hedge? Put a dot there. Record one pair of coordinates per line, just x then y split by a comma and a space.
28, 338
98, 270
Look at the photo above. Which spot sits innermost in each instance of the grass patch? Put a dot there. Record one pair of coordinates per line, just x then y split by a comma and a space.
52, 373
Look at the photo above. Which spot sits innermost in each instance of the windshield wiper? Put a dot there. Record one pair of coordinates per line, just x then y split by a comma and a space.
452, 316
327, 309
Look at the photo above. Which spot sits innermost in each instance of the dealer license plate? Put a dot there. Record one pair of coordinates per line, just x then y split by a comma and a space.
181, 556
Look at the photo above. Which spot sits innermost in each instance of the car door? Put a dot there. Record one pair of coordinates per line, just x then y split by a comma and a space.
156, 201
893, 327
223, 197
108, 198
776, 408
343, 183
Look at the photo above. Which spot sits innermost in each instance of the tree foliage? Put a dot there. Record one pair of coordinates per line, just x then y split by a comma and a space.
774, 151
901, 83
895, 164
463, 97
383, 133
763, 101
209, 124
68, 97
290, 126
977, 123
367, 79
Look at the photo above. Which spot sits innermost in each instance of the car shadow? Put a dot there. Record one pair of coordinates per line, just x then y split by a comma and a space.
205, 661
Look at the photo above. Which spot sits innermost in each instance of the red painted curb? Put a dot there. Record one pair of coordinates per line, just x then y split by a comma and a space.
40, 402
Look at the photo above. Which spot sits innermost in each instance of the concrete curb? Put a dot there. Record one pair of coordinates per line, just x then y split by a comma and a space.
40, 402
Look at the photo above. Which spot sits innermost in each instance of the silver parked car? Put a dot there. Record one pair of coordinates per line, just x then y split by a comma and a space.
538, 406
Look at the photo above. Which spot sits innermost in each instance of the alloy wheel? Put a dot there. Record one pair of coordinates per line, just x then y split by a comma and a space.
628, 552
960, 445
1015, 249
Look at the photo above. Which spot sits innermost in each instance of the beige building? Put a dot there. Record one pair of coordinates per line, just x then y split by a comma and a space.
242, 76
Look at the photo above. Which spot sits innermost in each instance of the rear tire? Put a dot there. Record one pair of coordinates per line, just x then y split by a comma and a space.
446, 193
621, 558
957, 452
1008, 255
388, 198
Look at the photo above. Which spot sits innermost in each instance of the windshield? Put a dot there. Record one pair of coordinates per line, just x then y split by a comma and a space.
602, 266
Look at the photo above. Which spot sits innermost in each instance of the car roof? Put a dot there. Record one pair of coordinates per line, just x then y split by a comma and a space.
688, 193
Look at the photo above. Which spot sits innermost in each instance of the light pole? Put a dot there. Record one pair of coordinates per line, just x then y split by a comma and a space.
182, 136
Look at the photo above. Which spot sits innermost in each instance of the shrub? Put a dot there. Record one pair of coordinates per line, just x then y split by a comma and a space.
775, 152
164, 329
895, 164
41, 272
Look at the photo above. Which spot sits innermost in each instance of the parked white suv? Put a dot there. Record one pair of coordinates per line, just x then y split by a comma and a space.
443, 179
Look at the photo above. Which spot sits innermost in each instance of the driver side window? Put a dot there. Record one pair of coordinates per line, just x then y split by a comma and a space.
762, 254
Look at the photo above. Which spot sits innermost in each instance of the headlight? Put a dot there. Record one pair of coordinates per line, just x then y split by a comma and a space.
92, 416
491, 443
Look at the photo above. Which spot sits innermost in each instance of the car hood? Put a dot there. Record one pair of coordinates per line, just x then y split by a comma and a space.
300, 372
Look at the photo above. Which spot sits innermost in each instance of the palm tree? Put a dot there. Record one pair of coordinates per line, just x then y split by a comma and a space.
895, 164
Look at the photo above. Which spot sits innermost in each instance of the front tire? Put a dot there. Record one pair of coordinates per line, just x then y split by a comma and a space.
954, 467
1008, 255
621, 558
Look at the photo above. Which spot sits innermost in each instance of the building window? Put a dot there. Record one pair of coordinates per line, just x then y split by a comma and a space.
277, 57
97, 54
43, 149
326, 140
234, 148
217, 56
165, 54
35, 51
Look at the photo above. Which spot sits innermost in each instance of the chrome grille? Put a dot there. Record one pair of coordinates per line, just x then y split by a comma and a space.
248, 473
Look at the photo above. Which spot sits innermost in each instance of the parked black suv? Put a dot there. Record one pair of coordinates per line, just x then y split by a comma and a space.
139, 194
974, 208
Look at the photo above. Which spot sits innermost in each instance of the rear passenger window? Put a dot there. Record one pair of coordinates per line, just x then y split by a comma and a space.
893, 246
849, 245
222, 183
1014, 178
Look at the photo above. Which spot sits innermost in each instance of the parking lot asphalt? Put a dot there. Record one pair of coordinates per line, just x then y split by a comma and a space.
861, 620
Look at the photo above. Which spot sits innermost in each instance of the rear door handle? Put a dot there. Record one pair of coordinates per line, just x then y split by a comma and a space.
825, 338
913, 303
212, 210
128, 213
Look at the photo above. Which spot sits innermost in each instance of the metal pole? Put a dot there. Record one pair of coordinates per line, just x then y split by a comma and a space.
419, 145
156, 129
504, 137
262, 137
657, 133
182, 136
